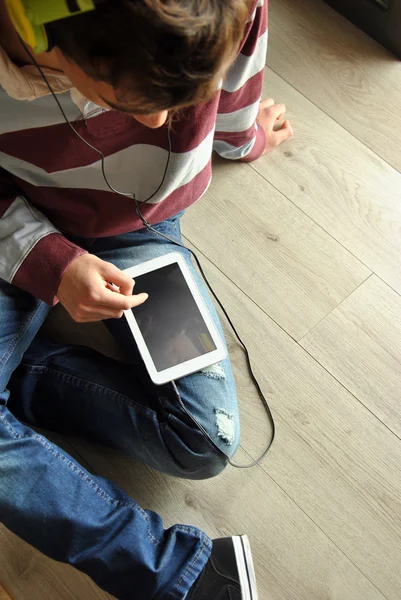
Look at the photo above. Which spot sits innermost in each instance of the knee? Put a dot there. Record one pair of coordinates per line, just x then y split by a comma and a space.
193, 454
204, 465
207, 456
199, 441
196, 460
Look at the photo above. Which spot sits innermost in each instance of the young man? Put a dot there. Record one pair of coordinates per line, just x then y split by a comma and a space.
118, 71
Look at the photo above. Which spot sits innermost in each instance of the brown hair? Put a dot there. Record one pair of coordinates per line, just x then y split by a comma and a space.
157, 54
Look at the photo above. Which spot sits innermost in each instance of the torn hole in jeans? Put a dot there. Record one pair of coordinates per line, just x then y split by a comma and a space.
225, 425
214, 372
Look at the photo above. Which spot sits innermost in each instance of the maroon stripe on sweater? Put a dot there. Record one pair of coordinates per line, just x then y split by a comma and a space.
259, 27
258, 147
93, 213
41, 272
244, 96
110, 132
248, 25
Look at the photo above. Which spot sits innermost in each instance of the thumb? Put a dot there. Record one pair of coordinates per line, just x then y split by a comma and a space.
113, 274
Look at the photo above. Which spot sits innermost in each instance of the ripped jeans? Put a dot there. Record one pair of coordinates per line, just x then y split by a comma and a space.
49, 499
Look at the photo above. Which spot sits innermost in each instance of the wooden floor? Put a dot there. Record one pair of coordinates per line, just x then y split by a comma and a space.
304, 249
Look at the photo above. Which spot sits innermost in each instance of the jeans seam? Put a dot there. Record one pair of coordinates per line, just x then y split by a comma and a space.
101, 389
193, 563
84, 476
11, 347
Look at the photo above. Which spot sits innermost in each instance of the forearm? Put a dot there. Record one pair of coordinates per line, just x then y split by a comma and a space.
33, 253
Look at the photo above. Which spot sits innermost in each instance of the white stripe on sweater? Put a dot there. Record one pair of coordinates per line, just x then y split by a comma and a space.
21, 227
237, 121
132, 170
246, 67
252, 17
42, 112
231, 152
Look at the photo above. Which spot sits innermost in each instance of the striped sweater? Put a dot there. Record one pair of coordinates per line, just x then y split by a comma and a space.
51, 184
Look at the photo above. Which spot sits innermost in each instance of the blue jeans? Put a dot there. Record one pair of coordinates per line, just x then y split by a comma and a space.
49, 499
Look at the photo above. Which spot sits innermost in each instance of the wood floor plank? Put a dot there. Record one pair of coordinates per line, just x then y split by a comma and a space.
29, 575
360, 344
341, 69
293, 269
332, 456
338, 182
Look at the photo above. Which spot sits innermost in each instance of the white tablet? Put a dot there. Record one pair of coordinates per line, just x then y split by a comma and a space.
173, 329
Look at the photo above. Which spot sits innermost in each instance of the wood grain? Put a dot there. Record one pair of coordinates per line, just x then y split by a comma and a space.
360, 344
286, 263
341, 70
29, 575
338, 182
331, 456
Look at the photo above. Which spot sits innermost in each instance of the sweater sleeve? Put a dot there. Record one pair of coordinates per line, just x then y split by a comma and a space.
33, 253
237, 135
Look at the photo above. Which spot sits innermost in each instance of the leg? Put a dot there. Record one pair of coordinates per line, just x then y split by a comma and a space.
49, 500
112, 403
210, 396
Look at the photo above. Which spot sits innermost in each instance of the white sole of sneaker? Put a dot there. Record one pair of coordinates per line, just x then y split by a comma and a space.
245, 567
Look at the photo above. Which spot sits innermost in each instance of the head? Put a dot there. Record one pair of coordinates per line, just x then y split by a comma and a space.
149, 57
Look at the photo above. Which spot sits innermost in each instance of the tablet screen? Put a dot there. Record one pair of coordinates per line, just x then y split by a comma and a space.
170, 320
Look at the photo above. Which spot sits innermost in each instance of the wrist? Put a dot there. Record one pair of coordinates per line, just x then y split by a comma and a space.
41, 272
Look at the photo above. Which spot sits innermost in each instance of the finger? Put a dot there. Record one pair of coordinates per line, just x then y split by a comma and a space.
116, 301
277, 111
99, 316
87, 315
269, 116
113, 274
283, 134
90, 314
112, 287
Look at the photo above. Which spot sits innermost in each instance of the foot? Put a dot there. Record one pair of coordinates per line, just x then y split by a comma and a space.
229, 573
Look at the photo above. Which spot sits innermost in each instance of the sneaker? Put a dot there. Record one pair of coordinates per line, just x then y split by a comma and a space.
229, 573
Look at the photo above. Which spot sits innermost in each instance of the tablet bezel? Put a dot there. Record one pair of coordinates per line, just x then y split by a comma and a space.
190, 366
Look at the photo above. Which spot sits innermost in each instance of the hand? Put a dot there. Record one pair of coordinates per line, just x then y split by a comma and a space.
269, 117
92, 290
